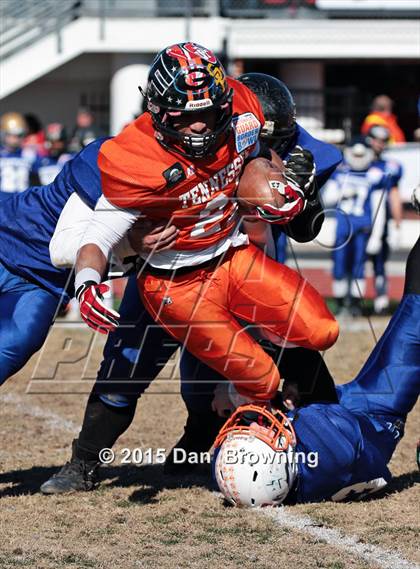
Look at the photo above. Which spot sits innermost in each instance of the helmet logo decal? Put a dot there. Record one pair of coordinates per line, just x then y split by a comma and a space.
201, 104
190, 51
216, 72
193, 80
161, 83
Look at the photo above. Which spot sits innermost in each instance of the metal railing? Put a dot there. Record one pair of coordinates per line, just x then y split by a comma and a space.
25, 21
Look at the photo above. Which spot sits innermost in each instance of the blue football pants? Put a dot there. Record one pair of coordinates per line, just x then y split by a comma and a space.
26, 314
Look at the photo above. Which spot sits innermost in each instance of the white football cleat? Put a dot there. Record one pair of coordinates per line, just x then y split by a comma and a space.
381, 304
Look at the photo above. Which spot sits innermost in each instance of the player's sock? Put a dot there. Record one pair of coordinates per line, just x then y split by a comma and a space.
102, 425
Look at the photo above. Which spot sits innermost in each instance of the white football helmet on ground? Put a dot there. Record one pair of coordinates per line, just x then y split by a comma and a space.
254, 458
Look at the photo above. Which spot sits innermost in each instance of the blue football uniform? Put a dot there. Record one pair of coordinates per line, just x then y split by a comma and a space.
16, 167
31, 288
327, 157
48, 167
355, 439
355, 217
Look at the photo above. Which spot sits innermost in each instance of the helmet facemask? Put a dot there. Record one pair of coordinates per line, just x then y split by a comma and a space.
278, 138
192, 145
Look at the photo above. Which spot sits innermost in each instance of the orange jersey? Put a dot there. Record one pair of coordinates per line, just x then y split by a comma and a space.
138, 173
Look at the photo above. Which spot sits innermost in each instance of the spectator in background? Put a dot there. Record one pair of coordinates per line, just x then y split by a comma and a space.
56, 140
85, 130
35, 138
381, 115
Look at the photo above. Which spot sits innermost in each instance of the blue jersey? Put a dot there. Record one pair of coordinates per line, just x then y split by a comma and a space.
48, 167
354, 440
354, 191
28, 220
15, 170
391, 169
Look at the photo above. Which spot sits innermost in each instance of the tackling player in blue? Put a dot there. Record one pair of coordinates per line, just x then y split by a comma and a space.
282, 133
266, 457
31, 288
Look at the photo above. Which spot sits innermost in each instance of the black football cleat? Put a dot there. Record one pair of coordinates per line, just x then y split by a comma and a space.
77, 475
200, 432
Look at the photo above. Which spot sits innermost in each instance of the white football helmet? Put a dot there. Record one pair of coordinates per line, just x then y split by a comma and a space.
255, 455
359, 156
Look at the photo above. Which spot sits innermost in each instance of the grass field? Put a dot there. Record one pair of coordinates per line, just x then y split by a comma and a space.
140, 519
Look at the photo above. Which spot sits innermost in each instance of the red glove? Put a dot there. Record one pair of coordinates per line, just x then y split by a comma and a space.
92, 309
295, 203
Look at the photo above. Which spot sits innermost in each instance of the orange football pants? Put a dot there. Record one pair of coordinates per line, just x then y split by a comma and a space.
200, 309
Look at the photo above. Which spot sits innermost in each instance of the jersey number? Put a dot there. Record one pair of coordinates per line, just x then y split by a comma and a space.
211, 216
14, 178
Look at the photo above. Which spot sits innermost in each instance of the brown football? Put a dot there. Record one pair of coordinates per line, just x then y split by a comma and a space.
260, 183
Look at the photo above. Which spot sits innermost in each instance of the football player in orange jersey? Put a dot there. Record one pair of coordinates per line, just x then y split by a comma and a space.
180, 163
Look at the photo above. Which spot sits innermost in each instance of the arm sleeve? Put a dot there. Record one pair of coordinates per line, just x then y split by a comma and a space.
108, 225
70, 230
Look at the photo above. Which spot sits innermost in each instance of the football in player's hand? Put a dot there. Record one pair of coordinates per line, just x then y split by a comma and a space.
260, 185
266, 191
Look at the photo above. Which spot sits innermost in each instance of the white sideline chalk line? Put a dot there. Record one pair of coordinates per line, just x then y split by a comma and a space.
349, 544
51, 419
